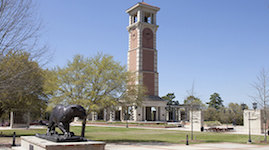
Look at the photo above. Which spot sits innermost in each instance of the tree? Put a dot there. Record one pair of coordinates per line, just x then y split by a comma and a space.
19, 32
194, 101
231, 114
211, 114
236, 113
261, 97
95, 83
25, 90
169, 96
19, 27
215, 101
224, 115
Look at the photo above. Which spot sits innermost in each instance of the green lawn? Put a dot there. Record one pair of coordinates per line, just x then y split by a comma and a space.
110, 134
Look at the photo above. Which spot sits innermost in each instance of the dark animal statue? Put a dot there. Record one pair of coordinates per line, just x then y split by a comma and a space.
62, 116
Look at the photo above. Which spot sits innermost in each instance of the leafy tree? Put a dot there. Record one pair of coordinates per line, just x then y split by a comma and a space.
215, 101
96, 83
19, 33
194, 101
224, 115
211, 114
227, 115
169, 96
236, 113
25, 90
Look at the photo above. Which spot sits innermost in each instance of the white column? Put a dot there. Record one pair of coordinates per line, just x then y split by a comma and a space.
139, 16
11, 119
134, 113
179, 114
94, 116
121, 114
105, 114
111, 116
130, 20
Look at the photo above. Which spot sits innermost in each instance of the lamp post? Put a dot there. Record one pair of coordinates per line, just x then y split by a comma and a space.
249, 132
191, 123
254, 105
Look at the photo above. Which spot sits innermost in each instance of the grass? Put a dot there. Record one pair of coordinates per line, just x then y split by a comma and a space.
110, 134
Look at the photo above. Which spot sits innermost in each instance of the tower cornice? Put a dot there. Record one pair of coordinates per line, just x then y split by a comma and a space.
139, 24
142, 5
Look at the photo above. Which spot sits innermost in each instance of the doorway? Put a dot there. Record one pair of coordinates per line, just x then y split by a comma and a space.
117, 115
151, 114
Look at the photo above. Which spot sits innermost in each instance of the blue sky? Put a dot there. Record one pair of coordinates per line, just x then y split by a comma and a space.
220, 45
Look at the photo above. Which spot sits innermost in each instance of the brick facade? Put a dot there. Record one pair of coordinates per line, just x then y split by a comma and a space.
148, 38
142, 53
148, 81
148, 60
133, 43
132, 60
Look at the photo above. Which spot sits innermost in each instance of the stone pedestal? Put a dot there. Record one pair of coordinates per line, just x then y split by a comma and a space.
35, 143
254, 120
196, 117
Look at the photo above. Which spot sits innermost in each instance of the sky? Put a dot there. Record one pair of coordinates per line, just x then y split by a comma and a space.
216, 45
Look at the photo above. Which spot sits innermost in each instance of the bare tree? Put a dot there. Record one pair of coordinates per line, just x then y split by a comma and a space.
19, 27
19, 33
261, 87
192, 103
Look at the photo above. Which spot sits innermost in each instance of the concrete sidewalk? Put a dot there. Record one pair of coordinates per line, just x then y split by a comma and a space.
161, 146
155, 128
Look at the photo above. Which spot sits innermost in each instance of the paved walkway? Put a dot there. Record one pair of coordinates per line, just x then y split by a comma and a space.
167, 146
161, 146
155, 128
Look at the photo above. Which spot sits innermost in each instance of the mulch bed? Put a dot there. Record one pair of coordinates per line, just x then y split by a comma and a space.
5, 145
150, 125
262, 142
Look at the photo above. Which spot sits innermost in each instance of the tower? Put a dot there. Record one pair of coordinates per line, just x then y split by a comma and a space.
142, 53
142, 60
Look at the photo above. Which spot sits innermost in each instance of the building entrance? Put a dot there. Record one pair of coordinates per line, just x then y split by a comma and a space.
100, 115
151, 113
117, 115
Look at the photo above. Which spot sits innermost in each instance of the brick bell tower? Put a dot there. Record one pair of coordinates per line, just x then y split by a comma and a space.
142, 59
142, 53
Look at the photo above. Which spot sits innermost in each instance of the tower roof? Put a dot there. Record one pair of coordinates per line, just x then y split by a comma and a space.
143, 5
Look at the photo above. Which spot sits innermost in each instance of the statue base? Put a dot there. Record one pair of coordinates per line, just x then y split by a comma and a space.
61, 138
35, 143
